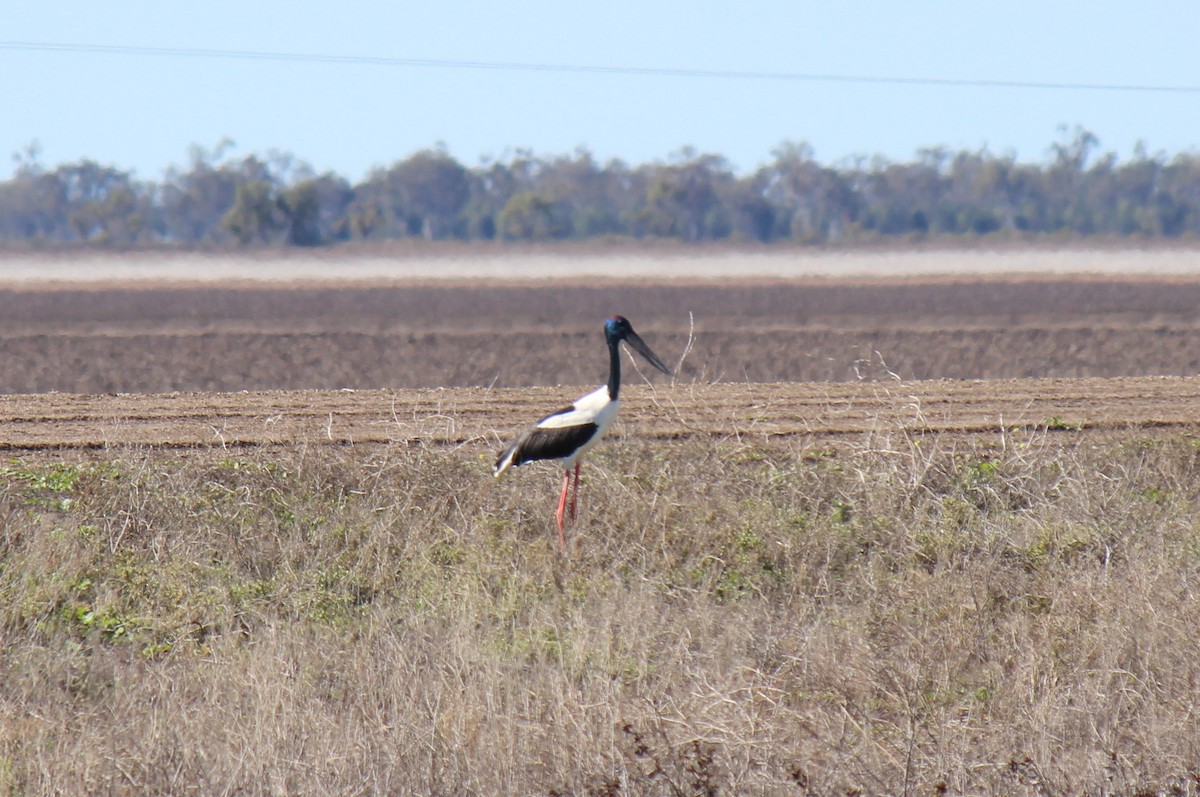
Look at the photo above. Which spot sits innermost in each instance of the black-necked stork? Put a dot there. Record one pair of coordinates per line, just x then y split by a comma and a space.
568, 433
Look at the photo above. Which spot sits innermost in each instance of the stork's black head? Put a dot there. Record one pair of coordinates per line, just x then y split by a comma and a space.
618, 328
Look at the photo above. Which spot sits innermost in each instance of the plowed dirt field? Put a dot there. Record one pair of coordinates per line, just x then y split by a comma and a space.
480, 418
168, 338
164, 360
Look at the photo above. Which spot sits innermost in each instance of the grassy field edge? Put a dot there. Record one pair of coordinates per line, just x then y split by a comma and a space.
881, 613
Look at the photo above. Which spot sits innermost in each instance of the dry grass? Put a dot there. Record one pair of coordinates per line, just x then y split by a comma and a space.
889, 615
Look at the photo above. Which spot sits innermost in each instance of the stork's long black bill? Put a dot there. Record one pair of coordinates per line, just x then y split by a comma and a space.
641, 348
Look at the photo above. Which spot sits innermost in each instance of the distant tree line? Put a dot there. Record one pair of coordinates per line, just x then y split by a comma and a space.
223, 201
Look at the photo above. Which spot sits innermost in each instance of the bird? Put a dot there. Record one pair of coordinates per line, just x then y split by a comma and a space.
570, 432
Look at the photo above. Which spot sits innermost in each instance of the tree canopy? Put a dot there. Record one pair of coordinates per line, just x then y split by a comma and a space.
220, 200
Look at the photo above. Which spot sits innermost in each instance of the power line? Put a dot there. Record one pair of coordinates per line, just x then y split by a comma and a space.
711, 74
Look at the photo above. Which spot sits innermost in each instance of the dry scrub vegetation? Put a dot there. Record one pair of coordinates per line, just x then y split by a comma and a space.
885, 614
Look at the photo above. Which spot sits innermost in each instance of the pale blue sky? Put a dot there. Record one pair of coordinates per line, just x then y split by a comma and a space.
143, 112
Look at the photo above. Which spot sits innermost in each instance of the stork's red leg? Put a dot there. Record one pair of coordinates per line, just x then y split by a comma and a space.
575, 492
562, 508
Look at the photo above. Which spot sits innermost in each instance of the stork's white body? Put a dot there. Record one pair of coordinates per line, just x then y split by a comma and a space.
593, 415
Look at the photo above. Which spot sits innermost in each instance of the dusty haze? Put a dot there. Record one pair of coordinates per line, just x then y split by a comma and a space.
524, 264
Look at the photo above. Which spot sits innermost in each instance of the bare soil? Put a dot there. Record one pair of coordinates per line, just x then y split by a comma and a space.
166, 338
165, 360
817, 412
